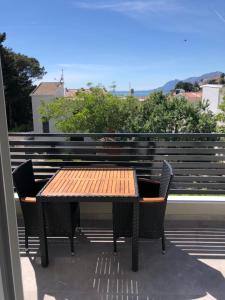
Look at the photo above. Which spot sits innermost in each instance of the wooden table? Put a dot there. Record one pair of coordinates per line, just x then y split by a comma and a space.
91, 185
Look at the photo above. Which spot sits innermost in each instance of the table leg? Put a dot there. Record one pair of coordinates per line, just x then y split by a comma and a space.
135, 236
42, 236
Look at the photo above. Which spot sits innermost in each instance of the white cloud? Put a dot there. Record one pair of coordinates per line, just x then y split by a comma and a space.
87, 67
136, 6
118, 68
162, 15
220, 16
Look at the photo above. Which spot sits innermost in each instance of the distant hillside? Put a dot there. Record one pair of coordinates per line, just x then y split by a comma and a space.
170, 85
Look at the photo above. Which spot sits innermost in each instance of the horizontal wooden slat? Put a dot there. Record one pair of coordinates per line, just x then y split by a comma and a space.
198, 160
189, 172
190, 185
150, 164
170, 158
206, 179
119, 151
198, 191
122, 135
137, 144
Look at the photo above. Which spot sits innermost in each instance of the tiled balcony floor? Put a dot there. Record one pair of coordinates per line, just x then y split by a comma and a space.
192, 268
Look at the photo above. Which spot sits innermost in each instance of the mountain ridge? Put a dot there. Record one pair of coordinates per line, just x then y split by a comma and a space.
170, 85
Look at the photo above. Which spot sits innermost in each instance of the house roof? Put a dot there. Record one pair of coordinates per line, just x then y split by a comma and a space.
70, 92
46, 88
193, 96
190, 96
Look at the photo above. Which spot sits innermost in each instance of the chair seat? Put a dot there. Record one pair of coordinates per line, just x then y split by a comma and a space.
61, 219
152, 200
29, 199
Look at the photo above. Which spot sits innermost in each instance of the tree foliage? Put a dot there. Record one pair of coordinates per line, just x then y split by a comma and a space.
221, 117
101, 111
96, 111
19, 73
171, 114
222, 78
187, 86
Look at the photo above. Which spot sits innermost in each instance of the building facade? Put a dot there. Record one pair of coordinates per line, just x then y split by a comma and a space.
214, 93
45, 92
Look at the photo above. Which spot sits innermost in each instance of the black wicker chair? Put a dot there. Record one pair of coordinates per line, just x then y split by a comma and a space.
60, 219
153, 200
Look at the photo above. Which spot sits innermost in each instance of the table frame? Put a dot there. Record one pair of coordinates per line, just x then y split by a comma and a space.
41, 200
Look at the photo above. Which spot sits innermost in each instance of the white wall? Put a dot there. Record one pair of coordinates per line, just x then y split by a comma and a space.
36, 103
178, 208
211, 94
198, 210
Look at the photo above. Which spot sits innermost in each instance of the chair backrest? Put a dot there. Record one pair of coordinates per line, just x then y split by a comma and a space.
57, 215
165, 179
23, 178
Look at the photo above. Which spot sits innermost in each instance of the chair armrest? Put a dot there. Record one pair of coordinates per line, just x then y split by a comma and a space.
40, 183
152, 200
29, 200
45, 180
147, 180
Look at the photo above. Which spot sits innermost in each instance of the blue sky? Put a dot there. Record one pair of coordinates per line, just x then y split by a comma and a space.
137, 41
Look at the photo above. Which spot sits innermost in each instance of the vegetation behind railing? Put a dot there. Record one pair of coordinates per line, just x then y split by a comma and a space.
198, 159
96, 110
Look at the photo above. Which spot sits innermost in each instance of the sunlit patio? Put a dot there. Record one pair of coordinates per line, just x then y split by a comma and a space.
194, 264
192, 268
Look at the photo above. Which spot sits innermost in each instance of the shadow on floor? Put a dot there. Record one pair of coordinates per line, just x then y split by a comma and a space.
96, 273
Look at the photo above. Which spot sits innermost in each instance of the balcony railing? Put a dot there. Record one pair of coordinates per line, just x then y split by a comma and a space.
198, 160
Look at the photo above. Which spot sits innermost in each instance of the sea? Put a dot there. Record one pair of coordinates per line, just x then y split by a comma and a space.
136, 93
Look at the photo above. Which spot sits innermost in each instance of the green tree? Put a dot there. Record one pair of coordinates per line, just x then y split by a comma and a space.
187, 86
100, 111
222, 78
96, 111
89, 84
221, 117
113, 86
196, 87
161, 113
130, 111
154, 113
206, 119
19, 74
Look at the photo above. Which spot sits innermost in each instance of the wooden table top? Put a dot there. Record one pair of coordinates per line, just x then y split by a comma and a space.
92, 182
